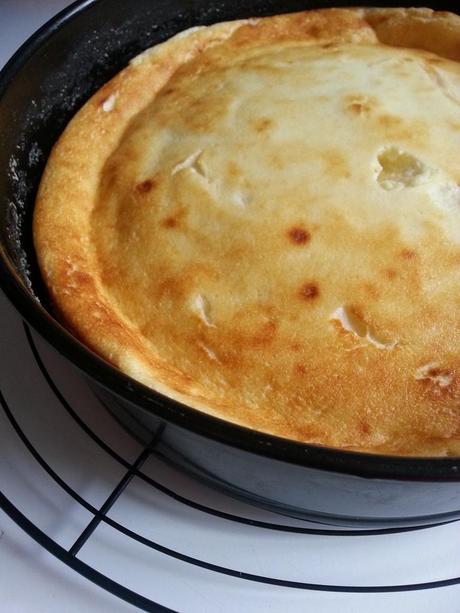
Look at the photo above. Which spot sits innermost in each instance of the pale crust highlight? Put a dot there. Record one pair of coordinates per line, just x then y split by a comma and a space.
298, 278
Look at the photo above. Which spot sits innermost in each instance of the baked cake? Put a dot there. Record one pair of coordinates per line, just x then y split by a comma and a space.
261, 219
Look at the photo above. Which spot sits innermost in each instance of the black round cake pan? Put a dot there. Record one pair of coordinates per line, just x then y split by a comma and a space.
41, 88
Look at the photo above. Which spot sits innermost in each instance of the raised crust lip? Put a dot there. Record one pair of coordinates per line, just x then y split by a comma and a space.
115, 338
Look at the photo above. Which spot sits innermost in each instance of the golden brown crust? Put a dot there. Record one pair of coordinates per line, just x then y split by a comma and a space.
292, 306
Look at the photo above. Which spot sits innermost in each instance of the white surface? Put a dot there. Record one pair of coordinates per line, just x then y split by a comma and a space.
32, 580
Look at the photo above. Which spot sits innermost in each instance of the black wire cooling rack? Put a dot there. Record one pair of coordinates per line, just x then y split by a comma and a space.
70, 555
